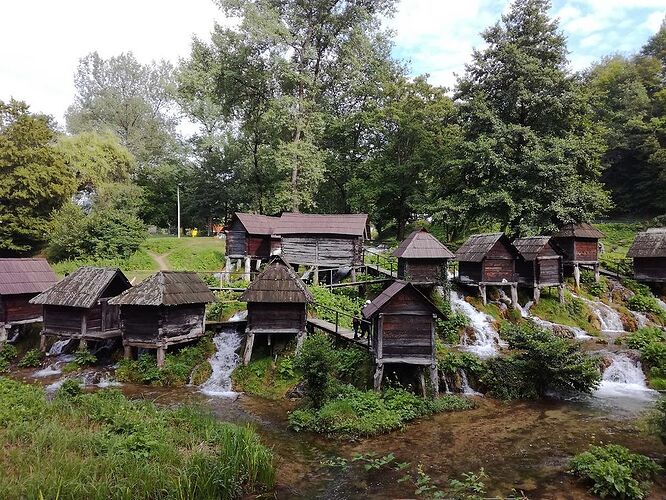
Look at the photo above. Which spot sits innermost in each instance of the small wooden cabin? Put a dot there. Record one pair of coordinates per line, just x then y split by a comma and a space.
488, 259
422, 258
579, 244
165, 309
77, 307
250, 237
649, 253
276, 304
403, 329
539, 264
323, 241
20, 281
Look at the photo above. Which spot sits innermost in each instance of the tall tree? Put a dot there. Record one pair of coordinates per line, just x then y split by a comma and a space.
531, 158
131, 99
34, 179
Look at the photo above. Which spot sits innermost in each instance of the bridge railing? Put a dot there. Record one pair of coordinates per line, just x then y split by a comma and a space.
335, 315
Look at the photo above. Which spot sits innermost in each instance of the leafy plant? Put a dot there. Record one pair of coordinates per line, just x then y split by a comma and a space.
450, 328
316, 361
31, 359
470, 487
644, 336
83, 358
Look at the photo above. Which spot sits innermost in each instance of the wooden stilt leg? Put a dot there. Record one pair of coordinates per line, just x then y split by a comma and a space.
249, 344
257, 265
434, 379
514, 295
226, 274
127, 352
42, 342
83, 345
353, 275
484, 297
300, 339
560, 293
161, 356
315, 276
537, 294
3, 336
596, 273
379, 374
422, 382
577, 276
247, 273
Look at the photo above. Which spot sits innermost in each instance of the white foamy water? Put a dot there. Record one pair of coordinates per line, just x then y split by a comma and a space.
661, 303
239, 316
223, 363
486, 341
49, 371
640, 318
624, 378
609, 318
578, 333
464, 383
58, 346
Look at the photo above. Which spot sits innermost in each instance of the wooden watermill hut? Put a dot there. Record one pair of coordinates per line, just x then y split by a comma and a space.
20, 281
77, 307
649, 253
488, 260
165, 309
276, 304
539, 265
323, 241
403, 329
251, 237
579, 244
422, 258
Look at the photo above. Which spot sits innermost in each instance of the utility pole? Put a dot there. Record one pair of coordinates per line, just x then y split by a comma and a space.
178, 201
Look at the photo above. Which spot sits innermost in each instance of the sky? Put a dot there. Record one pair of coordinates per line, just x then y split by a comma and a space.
41, 41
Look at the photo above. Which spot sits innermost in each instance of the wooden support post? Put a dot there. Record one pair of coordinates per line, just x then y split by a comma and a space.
576, 272
248, 269
257, 265
249, 344
353, 275
596, 273
127, 352
3, 336
482, 292
434, 379
42, 342
514, 295
560, 293
379, 374
315, 276
537, 294
161, 356
83, 345
226, 273
422, 383
300, 338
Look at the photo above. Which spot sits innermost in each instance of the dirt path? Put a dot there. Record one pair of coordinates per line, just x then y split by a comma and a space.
160, 259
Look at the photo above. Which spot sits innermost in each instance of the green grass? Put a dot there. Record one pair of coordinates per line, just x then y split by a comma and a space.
264, 378
572, 313
101, 445
197, 254
328, 302
138, 261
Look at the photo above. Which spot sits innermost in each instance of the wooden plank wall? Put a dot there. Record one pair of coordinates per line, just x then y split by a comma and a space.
549, 271
259, 247
139, 323
650, 269
322, 250
423, 270
17, 308
499, 264
587, 250
182, 320
62, 320
470, 272
278, 316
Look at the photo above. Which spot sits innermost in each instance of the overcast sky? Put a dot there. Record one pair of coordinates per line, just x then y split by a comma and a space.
42, 40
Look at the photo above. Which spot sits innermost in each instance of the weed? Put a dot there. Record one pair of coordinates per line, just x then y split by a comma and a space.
31, 359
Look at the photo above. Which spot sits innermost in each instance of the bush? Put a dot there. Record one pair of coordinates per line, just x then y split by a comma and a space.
450, 328
31, 359
614, 471
327, 303
83, 358
658, 419
644, 336
645, 303
316, 361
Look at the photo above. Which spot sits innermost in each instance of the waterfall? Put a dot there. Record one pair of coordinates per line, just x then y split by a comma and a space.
239, 316
486, 339
49, 371
578, 333
15, 336
623, 377
641, 319
223, 363
608, 317
464, 383
661, 303
59, 346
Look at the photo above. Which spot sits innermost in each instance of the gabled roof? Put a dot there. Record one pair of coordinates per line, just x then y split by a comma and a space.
580, 230
338, 224
422, 245
277, 283
257, 224
530, 247
394, 289
477, 246
82, 288
19, 276
651, 243
167, 288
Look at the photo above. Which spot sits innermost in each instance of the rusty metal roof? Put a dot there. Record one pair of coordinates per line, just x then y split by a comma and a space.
422, 245
82, 288
580, 230
338, 224
395, 288
530, 247
18, 276
167, 288
651, 243
257, 224
277, 283
477, 246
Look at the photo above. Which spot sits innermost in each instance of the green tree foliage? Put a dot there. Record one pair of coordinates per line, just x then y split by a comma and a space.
316, 361
530, 159
629, 97
131, 100
34, 179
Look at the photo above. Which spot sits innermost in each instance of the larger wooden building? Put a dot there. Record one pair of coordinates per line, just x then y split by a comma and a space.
488, 260
276, 304
77, 307
580, 246
166, 309
539, 265
422, 258
403, 329
20, 281
251, 237
649, 253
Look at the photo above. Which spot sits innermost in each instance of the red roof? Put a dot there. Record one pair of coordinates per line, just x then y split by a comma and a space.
18, 276
338, 224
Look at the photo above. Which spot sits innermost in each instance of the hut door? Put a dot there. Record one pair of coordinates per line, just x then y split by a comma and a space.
110, 315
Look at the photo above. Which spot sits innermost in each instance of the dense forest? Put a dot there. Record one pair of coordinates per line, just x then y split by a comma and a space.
302, 106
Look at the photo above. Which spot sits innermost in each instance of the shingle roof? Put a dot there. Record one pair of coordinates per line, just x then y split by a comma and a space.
383, 298
19, 276
477, 246
339, 224
530, 247
167, 288
422, 245
580, 230
651, 243
277, 283
257, 224
82, 288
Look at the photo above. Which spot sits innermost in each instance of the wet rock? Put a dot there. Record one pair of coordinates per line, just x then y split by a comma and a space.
629, 322
563, 332
298, 391
594, 320
470, 334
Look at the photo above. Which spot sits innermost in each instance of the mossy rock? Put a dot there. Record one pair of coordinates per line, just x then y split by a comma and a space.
201, 373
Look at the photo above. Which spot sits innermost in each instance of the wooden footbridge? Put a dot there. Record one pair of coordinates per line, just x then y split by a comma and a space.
337, 331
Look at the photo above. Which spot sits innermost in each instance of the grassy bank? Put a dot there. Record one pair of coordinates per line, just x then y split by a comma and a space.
266, 378
101, 445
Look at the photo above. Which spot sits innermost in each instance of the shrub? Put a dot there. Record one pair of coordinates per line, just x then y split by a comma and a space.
645, 303
644, 336
614, 471
449, 329
327, 303
70, 388
31, 359
658, 419
316, 361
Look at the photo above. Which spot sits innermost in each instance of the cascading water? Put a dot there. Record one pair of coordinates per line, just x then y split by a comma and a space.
464, 384
59, 346
239, 316
486, 339
610, 319
624, 378
641, 319
223, 363
661, 303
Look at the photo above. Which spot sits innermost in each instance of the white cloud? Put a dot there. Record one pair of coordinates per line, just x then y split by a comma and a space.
654, 20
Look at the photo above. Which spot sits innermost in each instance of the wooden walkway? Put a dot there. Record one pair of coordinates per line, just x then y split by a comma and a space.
380, 270
330, 328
